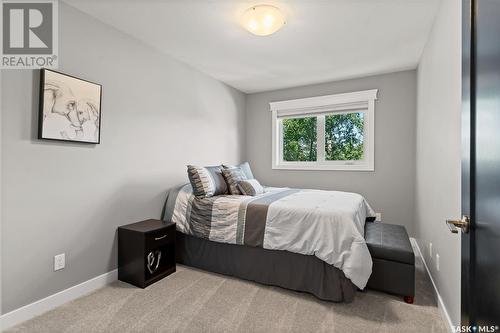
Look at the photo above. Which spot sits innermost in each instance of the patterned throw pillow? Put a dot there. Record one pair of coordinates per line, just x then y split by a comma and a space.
233, 176
207, 181
250, 187
245, 167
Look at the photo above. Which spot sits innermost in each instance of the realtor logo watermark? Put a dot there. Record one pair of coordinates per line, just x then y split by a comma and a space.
29, 34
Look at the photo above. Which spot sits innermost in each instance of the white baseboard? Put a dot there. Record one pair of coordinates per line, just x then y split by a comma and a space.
34, 309
441, 306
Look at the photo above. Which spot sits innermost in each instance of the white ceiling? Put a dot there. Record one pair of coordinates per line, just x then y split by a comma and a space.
323, 40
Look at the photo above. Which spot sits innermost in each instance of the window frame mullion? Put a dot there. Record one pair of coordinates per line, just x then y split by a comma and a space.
320, 139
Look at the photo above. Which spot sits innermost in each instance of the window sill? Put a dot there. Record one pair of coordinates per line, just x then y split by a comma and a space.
324, 167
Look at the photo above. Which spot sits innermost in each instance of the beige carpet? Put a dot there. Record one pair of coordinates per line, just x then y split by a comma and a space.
191, 300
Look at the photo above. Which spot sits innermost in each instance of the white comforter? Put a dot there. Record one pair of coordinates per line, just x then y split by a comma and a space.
327, 224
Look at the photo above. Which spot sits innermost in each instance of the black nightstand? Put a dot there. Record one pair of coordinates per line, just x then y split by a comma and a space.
146, 252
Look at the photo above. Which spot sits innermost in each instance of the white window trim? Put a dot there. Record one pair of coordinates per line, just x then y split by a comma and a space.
319, 106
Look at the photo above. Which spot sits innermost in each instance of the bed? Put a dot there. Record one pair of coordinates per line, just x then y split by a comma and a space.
304, 240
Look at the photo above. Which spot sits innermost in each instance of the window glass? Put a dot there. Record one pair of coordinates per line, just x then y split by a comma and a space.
299, 139
344, 137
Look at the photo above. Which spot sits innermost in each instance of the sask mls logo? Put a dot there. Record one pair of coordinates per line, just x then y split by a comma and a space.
29, 34
475, 329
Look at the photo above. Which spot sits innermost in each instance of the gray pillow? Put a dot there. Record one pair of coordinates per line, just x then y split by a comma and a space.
250, 187
245, 167
207, 181
233, 176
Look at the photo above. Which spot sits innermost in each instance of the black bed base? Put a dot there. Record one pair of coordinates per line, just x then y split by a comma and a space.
271, 267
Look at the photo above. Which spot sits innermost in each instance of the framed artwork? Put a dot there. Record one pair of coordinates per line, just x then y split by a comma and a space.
70, 108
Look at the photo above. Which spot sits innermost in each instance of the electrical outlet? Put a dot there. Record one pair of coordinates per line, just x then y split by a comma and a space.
437, 262
59, 261
378, 217
430, 250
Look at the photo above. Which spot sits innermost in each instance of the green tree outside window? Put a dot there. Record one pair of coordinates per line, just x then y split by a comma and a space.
299, 139
344, 138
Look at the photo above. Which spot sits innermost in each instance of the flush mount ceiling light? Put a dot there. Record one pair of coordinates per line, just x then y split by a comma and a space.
263, 20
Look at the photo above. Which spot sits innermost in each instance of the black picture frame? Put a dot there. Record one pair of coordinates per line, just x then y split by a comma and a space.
73, 107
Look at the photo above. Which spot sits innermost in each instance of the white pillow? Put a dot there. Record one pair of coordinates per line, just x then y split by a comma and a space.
250, 187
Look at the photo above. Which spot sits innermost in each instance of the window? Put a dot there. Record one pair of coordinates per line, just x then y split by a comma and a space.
334, 132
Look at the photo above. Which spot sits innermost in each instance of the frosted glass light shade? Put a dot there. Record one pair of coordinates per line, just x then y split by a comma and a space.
263, 20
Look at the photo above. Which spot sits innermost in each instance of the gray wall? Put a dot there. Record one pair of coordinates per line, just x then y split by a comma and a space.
158, 115
438, 152
390, 189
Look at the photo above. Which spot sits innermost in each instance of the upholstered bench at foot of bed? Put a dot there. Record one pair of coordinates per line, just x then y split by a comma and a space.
393, 259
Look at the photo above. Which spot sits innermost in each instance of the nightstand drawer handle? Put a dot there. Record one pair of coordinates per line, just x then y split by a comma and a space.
161, 237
